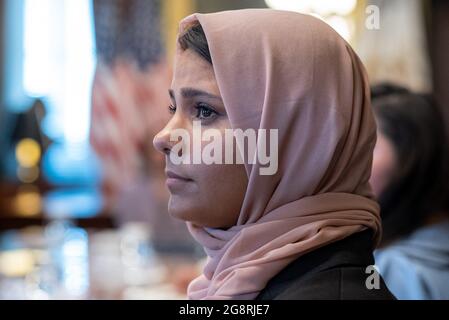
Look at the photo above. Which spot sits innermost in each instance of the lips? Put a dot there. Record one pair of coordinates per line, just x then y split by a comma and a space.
176, 182
172, 175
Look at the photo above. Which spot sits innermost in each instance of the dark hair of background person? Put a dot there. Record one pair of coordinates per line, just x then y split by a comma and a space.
195, 39
419, 187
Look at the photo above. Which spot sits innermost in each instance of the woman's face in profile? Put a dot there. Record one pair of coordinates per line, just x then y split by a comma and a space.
209, 195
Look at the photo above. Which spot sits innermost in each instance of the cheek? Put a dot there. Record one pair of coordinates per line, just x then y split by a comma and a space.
218, 199
215, 197
384, 165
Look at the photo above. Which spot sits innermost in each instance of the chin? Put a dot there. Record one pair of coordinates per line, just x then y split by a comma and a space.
181, 209
189, 210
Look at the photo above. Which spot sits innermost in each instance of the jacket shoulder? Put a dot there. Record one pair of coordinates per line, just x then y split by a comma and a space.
335, 271
342, 283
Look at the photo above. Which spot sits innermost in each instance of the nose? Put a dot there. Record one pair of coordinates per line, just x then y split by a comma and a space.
161, 141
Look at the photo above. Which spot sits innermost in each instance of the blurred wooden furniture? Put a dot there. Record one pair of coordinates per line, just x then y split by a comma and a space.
10, 219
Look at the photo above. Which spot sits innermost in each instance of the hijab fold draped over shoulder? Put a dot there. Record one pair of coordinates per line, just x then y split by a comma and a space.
291, 72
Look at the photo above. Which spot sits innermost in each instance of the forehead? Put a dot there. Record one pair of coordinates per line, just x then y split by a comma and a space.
191, 70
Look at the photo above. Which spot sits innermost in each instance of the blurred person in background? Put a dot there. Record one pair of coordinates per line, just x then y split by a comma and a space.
410, 176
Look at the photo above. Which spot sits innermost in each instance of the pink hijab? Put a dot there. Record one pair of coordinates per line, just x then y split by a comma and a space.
291, 72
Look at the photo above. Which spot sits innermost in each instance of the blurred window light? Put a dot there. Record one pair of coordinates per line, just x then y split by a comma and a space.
322, 7
75, 262
72, 203
59, 63
341, 25
291, 5
335, 13
340, 7
71, 165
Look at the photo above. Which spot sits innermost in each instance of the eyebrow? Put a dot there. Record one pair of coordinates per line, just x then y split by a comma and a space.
191, 93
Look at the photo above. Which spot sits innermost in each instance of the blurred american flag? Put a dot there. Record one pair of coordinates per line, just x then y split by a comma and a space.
129, 94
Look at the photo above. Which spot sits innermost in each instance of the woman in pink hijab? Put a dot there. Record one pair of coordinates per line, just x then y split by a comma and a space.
302, 224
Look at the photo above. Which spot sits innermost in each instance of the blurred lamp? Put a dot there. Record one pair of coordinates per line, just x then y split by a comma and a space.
28, 201
28, 153
16, 263
28, 175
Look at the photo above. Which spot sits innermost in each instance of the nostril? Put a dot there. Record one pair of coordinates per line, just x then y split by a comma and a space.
160, 143
180, 153
166, 150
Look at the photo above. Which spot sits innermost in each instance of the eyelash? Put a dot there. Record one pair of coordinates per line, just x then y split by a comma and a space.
199, 107
204, 107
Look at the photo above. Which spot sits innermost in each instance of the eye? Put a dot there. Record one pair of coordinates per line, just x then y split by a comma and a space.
205, 112
171, 109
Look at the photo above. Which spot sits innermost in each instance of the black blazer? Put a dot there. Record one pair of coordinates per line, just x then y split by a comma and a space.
336, 271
